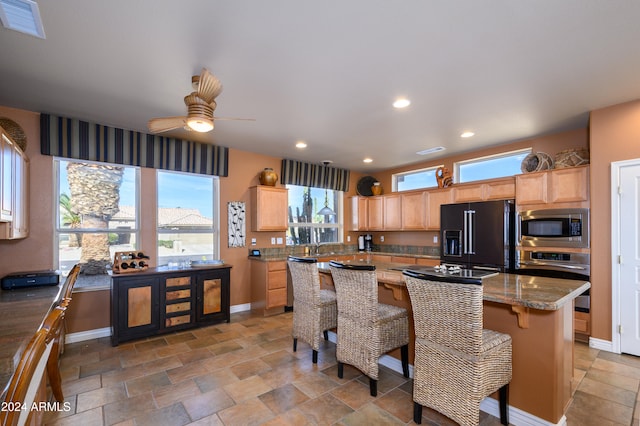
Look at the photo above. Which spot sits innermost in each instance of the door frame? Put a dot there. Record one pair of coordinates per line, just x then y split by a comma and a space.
616, 166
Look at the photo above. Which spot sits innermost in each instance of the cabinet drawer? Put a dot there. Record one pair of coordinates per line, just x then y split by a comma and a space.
581, 323
276, 298
177, 281
277, 279
173, 321
277, 266
178, 294
178, 307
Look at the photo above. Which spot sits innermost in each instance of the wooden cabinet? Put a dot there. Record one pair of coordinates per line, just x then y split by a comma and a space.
392, 212
434, 200
161, 300
375, 213
494, 189
558, 186
582, 323
269, 208
414, 210
268, 287
14, 194
359, 206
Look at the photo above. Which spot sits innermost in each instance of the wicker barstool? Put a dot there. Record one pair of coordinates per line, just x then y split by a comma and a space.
457, 362
314, 309
366, 329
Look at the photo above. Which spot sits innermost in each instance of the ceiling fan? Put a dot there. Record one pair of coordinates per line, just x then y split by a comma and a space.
200, 106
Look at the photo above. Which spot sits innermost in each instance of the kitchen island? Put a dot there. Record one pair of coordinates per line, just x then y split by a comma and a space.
537, 312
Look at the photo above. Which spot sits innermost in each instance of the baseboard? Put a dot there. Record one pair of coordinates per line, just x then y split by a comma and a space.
98, 333
603, 345
81, 336
240, 308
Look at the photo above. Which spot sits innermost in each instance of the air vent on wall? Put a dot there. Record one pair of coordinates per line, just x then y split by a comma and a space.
22, 16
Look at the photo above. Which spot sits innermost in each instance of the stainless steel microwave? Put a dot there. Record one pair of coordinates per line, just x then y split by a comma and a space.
554, 228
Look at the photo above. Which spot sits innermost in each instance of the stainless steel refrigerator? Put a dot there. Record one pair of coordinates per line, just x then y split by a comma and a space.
478, 235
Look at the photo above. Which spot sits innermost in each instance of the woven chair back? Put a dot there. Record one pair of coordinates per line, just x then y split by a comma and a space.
356, 293
448, 314
305, 281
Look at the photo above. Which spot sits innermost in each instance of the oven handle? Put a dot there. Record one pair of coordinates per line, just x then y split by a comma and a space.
555, 265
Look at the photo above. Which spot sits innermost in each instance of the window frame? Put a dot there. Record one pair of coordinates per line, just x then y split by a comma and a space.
215, 225
394, 178
339, 225
58, 230
486, 158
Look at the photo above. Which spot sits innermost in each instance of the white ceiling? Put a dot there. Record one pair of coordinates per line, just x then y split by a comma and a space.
326, 72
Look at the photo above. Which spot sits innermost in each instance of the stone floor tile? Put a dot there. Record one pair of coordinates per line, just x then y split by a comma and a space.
325, 409
353, 393
398, 403
86, 418
99, 397
170, 394
315, 384
283, 398
172, 415
248, 388
292, 417
188, 371
370, 414
146, 384
208, 403
216, 379
250, 368
249, 412
129, 408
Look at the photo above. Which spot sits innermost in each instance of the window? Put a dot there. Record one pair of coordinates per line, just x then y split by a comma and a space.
187, 225
306, 226
414, 179
492, 166
97, 213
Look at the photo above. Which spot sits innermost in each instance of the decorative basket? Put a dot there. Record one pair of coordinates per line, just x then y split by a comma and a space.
572, 158
15, 132
536, 162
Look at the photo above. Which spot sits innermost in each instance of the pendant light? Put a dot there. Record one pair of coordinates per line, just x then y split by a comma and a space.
326, 211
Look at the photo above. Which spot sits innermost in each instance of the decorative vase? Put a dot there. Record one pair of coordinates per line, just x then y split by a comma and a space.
376, 189
268, 177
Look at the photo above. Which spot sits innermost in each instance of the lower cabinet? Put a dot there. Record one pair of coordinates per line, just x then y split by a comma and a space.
268, 287
160, 300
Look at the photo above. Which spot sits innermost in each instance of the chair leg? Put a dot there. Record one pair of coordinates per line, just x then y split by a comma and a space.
315, 357
373, 387
53, 372
504, 404
326, 334
340, 370
295, 344
417, 413
404, 355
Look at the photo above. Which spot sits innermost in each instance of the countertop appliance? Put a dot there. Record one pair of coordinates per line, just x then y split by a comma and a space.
368, 242
554, 228
478, 235
361, 242
30, 279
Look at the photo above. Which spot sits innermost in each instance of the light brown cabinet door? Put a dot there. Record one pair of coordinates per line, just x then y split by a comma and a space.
358, 214
502, 189
375, 213
269, 208
414, 211
531, 188
392, 215
434, 201
467, 192
568, 185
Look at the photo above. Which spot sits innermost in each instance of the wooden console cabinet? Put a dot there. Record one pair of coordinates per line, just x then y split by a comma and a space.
162, 300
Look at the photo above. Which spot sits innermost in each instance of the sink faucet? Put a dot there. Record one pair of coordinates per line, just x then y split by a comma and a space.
317, 248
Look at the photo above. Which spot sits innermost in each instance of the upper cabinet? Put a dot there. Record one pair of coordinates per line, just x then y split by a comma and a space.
437, 198
359, 216
14, 194
494, 189
392, 216
269, 206
557, 186
414, 208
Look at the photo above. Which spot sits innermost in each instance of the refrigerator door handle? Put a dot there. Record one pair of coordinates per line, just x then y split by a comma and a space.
470, 218
465, 233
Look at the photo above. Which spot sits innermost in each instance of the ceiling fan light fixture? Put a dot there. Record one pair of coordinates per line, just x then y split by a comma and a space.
200, 124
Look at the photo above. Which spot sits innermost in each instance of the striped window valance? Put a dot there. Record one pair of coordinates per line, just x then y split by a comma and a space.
315, 175
72, 138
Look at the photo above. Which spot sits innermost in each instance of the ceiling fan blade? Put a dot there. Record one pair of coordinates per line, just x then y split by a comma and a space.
234, 118
164, 124
209, 86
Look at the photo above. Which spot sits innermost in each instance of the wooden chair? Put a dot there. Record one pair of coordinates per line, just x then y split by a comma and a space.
366, 329
64, 295
55, 326
25, 382
457, 362
314, 309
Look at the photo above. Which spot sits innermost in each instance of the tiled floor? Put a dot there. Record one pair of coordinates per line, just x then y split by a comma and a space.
245, 372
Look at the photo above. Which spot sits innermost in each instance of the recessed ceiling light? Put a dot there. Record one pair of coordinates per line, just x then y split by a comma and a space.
467, 134
431, 150
401, 103
21, 15
301, 144
367, 160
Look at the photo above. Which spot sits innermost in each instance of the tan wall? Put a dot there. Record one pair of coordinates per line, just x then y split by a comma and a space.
615, 136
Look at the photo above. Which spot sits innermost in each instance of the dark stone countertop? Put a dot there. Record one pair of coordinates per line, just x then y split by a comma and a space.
21, 313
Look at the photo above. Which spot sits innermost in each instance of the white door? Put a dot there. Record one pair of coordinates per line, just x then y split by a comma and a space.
629, 257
